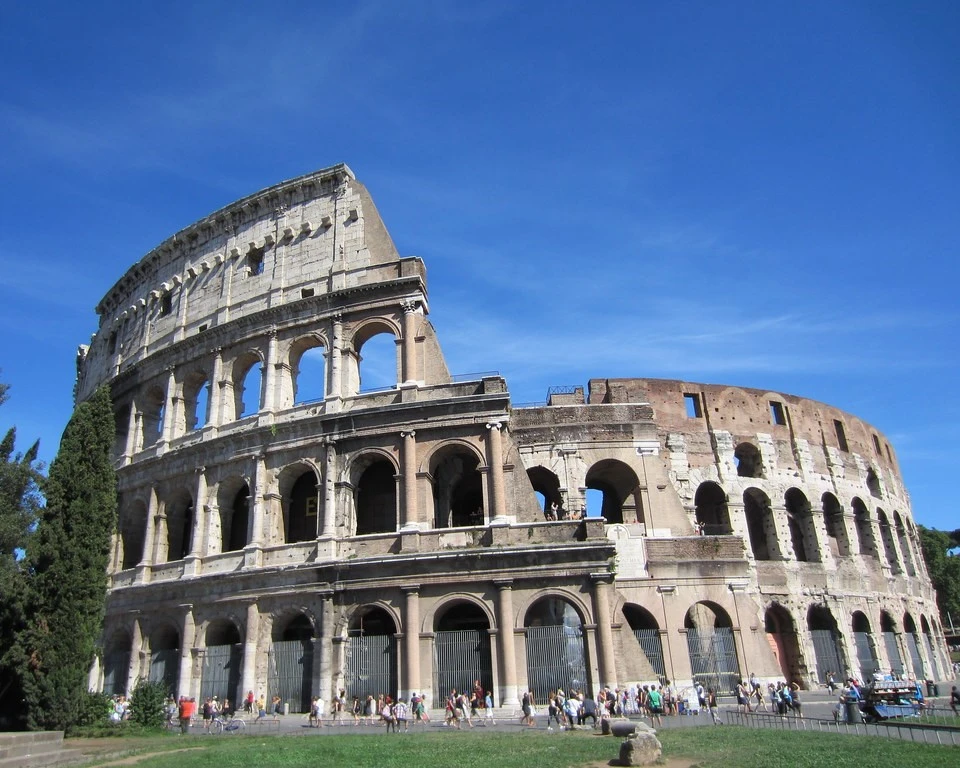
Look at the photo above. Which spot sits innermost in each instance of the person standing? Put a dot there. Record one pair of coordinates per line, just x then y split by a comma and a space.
712, 705
655, 705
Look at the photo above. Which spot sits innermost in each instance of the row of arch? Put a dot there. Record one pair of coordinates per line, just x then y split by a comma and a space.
713, 515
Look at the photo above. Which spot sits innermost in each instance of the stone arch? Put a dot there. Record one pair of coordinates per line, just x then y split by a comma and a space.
132, 525
196, 401
761, 527
711, 646
866, 541
873, 483
152, 406
645, 630
221, 660
747, 458
913, 642
300, 493
179, 512
235, 506
458, 497
547, 486
116, 661
432, 621
165, 656
221, 632
836, 529
620, 487
463, 656
373, 475
904, 541
888, 629
553, 625
248, 383
291, 659
827, 645
712, 513
371, 652
865, 645
121, 422
384, 363
308, 374
803, 534
886, 536
781, 631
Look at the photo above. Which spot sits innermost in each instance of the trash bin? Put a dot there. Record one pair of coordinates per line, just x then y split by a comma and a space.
854, 715
929, 687
936, 689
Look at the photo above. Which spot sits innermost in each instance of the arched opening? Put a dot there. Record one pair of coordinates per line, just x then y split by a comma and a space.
457, 488
222, 658
152, 409
836, 530
547, 486
377, 362
905, 549
621, 491
196, 402
711, 645
235, 521
747, 458
121, 423
889, 631
376, 497
247, 385
290, 673
302, 508
826, 642
371, 654
803, 535
886, 536
711, 509
931, 653
555, 657
179, 514
462, 655
645, 629
165, 658
782, 637
865, 539
133, 520
912, 638
760, 524
873, 483
863, 641
116, 663
308, 370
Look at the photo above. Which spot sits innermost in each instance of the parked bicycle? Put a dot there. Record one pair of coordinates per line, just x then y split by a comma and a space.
232, 723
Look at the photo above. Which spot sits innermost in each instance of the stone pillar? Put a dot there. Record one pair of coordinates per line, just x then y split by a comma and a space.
269, 374
325, 646
334, 389
149, 535
198, 538
130, 444
138, 433
251, 557
411, 516
170, 407
601, 609
250, 636
498, 511
161, 547
329, 491
505, 640
409, 342
216, 390
136, 646
411, 641
186, 652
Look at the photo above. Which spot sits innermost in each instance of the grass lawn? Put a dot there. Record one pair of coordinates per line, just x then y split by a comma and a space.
726, 747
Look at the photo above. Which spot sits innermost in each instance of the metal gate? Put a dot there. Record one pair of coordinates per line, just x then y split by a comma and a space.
116, 666
652, 647
291, 673
555, 659
932, 656
919, 671
893, 653
221, 672
865, 657
371, 665
460, 657
713, 658
826, 647
165, 668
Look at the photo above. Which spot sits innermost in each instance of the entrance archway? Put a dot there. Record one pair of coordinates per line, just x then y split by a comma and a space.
222, 658
555, 655
116, 663
165, 658
712, 648
621, 491
711, 510
782, 637
826, 642
457, 488
913, 647
371, 654
462, 654
889, 631
863, 640
645, 629
291, 662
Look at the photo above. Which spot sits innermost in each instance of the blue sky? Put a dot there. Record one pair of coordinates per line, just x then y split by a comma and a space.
763, 194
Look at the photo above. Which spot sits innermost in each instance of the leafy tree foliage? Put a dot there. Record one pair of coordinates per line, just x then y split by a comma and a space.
66, 580
148, 704
943, 567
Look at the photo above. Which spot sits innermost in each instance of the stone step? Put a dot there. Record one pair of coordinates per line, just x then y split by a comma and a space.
36, 749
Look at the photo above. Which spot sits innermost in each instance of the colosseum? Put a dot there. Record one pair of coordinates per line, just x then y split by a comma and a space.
296, 537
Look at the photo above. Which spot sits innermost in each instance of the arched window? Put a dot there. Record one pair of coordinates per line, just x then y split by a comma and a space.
457, 488
196, 402
376, 497
247, 386
152, 410
760, 525
302, 509
308, 370
747, 458
376, 361
833, 522
711, 509
873, 483
886, 536
133, 520
865, 539
235, 520
620, 488
803, 535
547, 486
179, 513
904, 541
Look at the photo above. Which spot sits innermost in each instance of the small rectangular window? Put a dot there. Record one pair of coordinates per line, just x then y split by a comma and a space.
694, 408
889, 452
112, 343
777, 414
166, 304
876, 445
255, 261
202, 328
306, 293
841, 436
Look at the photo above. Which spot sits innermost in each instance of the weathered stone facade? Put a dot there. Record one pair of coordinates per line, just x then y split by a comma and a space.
283, 541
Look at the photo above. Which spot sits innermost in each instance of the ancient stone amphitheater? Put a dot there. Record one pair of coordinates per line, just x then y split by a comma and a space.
296, 535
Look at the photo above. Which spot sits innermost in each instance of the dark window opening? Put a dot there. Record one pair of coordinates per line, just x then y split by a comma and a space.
202, 328
841, 436
876, 445
747, 458
112, 343
694, 407
889, 453
777, 413
166, 304
255, 261
306, 293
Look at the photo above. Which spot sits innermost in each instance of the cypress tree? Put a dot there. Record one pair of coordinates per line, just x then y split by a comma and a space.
67, 569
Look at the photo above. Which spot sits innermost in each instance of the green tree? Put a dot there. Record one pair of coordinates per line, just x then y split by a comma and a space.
19, 505
943, 567
67, 569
